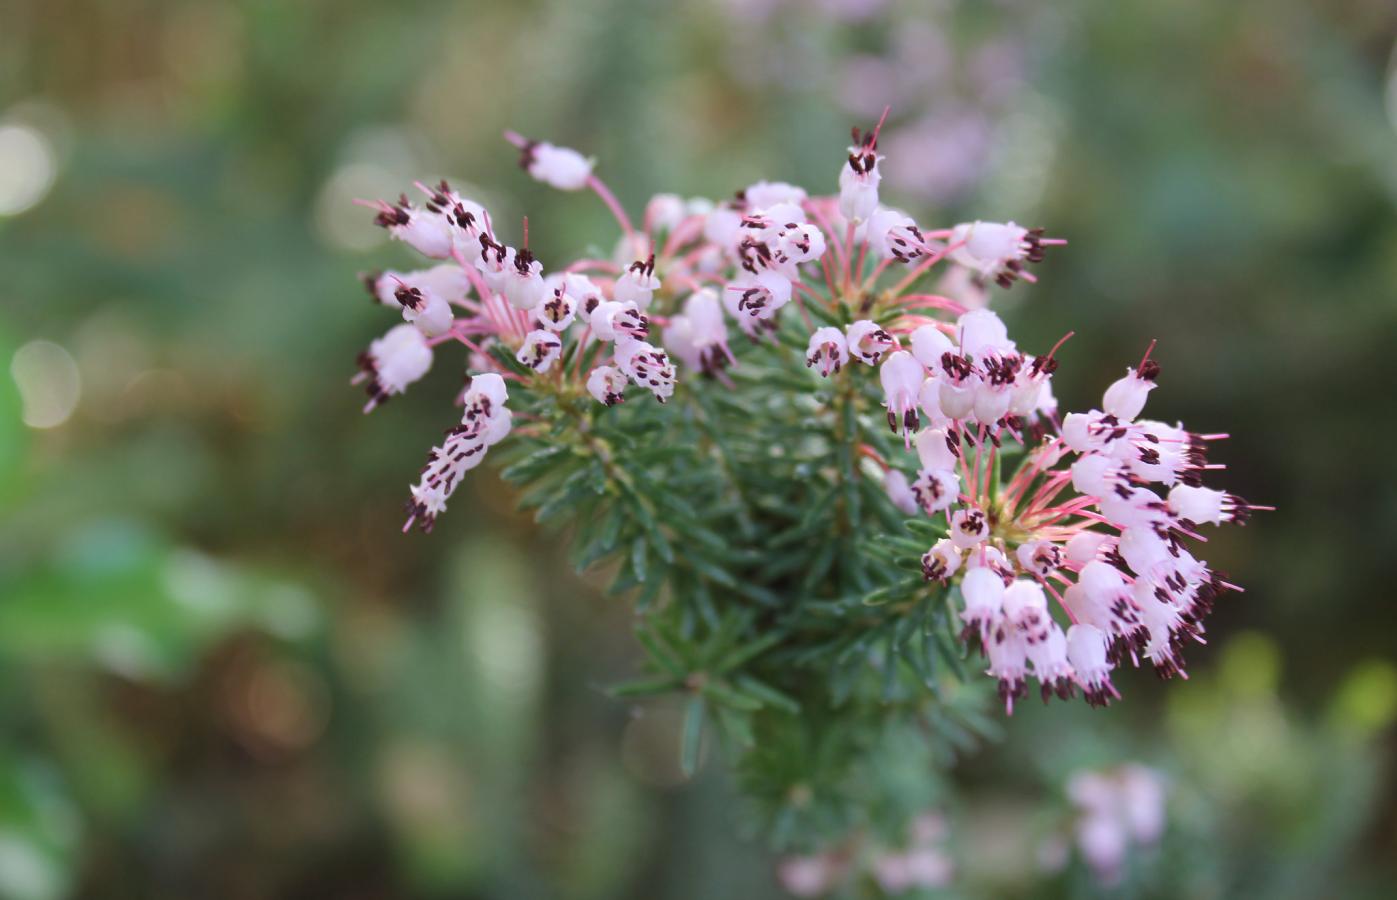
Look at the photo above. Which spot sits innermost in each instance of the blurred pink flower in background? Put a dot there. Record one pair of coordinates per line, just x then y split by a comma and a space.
1116, 809
951, 88
923, 863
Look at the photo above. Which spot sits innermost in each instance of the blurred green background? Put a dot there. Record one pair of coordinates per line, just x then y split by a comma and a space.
224, 673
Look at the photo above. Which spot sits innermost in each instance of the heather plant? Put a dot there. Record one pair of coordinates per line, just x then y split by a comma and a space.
824, 517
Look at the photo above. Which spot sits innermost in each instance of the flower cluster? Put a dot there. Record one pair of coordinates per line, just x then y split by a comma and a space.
1113, 555
491, 297
923, 864
1095, 520
1115, 810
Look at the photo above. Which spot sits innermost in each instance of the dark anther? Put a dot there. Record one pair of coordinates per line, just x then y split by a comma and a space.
370, 282
409, 297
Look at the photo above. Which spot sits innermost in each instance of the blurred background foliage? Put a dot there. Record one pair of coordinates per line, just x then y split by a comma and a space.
224, 673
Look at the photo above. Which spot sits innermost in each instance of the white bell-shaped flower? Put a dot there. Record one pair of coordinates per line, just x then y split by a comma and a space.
637, 285
989, 403
559, 167
766, 194
1086, 651
892, 234
723, 226
426, 309
1095, 430
1143, 549
664, 212
1039, 557
485, 396
981, 333
1008, 656
858, 184
647, 366
796, 243
996, 251
941, 561
1050, 663
988, 556
957, 401
901, 376
1094, 474
929, 400
1022, 596
708, 329
937, 449
540, 350
1202, 505
868, 342
827, 351
762, 295
936, 490
613, 321
969, 527
1134, 507
522, 281
988, 245
678, 338
607, 385
983, 592
1084, 547
426, 231
900, 492
393, 362
929, 344
1125, 398
558, 311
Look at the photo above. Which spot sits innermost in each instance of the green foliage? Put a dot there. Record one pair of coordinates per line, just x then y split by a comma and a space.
775, 585
1224, 172
121, 598
12, 434
38, 831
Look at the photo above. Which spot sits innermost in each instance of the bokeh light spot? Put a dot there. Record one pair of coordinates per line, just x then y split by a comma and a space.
26, 167
1367, 700
338, 220
286, 705
25, 871
126, 650
48, 381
